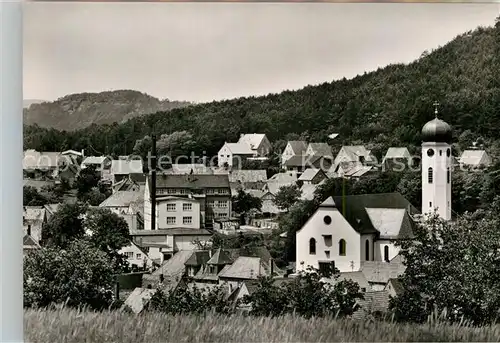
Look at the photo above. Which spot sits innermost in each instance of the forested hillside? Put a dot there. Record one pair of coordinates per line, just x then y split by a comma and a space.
78, 111
384, 108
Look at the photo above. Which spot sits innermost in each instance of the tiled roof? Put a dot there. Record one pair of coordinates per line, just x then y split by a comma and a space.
290, 177
374, 301
321, 149
36, 213
309, 174
255, 192
390, 221
396, 153
244, 268
172, 232
396, 284
358, 217
29, 242
195, 168
298, 147
121, 167
302, 160
239, 148
248, 175
198, 258
253, 140
138, 299
357, 277
274, 187
358, 170
222, 257
34, 159
193, 181
94, 160
122, 199
474, 157
381, 272
353, 152
173, 267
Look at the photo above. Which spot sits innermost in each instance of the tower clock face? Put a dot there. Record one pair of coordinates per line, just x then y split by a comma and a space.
430, 152
448, 152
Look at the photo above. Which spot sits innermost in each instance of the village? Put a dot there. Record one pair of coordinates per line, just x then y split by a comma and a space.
193, 201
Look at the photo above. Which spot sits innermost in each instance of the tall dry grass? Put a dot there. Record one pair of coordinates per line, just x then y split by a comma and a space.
65, 325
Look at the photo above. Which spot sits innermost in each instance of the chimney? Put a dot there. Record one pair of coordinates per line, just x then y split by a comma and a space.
153, 182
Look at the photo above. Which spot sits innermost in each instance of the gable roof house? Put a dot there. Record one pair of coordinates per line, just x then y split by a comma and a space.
127, 204
100, 163
319, 149
312, 176
378, 273
475, 158
34, 217
353, 229
233, 154
397, 159
293, 148
258, 143
171, 270
121, 169
44, 164
352, 155
246, 179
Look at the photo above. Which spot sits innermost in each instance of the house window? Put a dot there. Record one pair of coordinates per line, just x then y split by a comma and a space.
210, 191
187, 220
327, 220
326, 268
440, 152
29, 230
160, 191
187, 207
448, 175
367, 250
430, 175
170, 220
342, 247
138, 256
223, 191
129, 255
211, 203
183, 191
312, 246
222, 204
386, 253
171, 207
430, 204
171, 191
328, 240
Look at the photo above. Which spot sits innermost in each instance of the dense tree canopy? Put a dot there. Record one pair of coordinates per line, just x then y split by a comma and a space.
387, 107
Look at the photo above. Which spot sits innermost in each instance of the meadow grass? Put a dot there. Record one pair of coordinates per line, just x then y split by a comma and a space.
65, 325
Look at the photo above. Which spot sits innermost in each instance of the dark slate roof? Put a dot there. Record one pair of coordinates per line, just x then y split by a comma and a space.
302, 160
29, 241
437, 130
198, 258
222, 257
357, 215
298, 147
193, 181
171, 232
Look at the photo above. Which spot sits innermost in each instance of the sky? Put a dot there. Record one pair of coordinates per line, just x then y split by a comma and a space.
202, 52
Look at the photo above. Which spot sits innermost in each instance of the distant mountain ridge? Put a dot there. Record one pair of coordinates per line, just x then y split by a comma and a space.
78, 111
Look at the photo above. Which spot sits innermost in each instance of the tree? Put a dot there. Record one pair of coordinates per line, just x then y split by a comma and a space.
243, 203
307, 295
109, 233
32, 197
87, 179
65, 225
287, 196
184, 300
452, 268
178, 143
76, 276
94, 197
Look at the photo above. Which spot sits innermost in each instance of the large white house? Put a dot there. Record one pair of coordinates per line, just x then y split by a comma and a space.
349, 231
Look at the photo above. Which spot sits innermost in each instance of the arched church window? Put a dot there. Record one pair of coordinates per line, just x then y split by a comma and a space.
448, 175
312, 246
367, 250
386, 253
430, 175
448, 152
342, 247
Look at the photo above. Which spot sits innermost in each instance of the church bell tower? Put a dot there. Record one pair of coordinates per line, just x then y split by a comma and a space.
436, 167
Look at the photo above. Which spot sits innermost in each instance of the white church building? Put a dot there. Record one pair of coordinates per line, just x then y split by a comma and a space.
350, 230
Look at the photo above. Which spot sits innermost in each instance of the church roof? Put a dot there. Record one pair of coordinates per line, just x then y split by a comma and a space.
437, 130
357, 213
